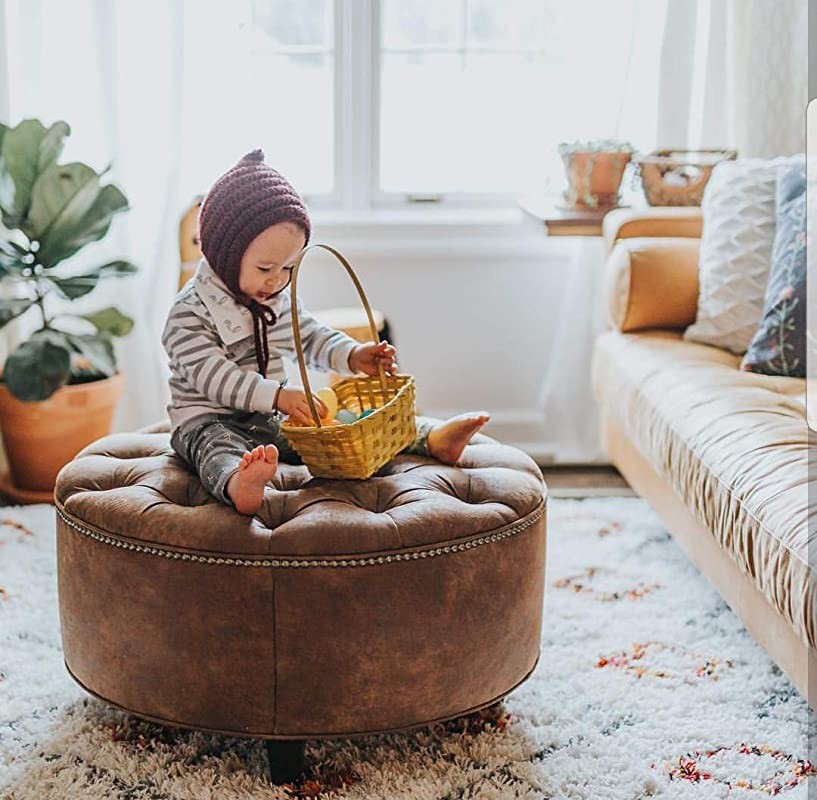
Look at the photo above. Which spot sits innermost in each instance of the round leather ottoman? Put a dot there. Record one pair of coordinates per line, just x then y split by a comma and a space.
342, 608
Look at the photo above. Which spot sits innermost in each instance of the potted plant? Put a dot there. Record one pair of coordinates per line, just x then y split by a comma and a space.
594, 172
58, 387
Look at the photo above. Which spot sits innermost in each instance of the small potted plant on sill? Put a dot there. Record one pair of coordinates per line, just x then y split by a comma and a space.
59, 387
594, 172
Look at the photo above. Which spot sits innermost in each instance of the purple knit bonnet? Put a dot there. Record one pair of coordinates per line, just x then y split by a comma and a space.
242, 203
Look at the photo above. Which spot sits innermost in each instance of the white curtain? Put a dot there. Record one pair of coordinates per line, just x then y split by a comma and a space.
731, 73
114, 72
735, 73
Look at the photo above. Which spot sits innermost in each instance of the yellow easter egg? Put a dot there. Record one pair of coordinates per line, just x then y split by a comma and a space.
330, 400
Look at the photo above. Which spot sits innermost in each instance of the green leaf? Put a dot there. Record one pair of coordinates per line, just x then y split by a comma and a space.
51, 144
92, 226
11, 308
78, 285
95, 355
19, 161
110, 320
25, 152
117, 268
61, 196
11, 259
38, 367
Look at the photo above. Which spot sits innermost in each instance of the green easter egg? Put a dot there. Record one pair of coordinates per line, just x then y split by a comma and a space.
366, 413
345, 417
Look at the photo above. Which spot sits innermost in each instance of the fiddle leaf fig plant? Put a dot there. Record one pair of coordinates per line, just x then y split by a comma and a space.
49, 212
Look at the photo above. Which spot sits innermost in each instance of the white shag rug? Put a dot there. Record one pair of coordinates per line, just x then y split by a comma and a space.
648, 686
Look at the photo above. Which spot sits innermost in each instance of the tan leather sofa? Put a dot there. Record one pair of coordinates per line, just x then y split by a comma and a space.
720, 454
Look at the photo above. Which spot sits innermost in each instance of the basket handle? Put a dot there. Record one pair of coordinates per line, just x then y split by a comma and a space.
296, 328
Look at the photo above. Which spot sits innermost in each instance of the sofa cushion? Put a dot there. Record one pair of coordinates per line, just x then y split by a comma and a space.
732, 444
736, 250
779, 345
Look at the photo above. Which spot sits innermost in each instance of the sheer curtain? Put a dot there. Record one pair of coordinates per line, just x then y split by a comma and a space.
114, 72
735, 73
566, 394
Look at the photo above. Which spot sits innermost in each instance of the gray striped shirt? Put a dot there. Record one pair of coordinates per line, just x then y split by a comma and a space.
209, 341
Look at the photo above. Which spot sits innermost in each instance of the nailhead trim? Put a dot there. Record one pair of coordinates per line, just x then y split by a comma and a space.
288, 563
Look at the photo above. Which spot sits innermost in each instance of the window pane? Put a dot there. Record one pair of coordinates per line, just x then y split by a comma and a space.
294, 22
422, 23
254, 95
487, 117
449, 127
512, 24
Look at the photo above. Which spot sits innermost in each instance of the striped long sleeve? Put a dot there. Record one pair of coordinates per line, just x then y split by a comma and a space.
213, 361
203, 376
324, 347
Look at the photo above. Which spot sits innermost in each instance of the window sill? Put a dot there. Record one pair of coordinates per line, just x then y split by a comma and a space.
403, 218
445, 234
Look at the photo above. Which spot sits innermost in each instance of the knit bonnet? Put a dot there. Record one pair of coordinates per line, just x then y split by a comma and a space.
242, 203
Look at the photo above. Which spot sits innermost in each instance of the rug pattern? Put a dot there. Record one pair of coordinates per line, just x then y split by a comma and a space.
647, 686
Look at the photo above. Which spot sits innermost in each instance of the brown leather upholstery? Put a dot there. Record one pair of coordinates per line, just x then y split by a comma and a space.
342, 608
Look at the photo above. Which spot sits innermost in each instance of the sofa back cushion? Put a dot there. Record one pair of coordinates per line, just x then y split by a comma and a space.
736, 251
779, 344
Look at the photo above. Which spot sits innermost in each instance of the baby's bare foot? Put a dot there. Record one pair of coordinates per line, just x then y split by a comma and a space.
246, 487
447, 440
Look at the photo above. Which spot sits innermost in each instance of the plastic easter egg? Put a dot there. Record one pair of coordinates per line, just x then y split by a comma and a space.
364, 414
346, 417
330, 400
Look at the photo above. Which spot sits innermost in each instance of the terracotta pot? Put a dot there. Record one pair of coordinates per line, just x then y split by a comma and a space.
594, 175
40, 438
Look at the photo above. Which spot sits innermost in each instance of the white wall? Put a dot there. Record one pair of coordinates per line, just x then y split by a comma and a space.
475, 309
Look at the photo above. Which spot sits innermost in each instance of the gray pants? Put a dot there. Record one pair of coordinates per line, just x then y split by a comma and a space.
213, 445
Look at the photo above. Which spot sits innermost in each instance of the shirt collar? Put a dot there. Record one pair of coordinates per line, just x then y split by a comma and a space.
232, 320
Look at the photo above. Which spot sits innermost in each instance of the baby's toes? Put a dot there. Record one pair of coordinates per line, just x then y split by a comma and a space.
271, 454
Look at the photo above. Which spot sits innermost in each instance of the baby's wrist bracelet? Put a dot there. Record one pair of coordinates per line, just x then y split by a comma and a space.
281, 385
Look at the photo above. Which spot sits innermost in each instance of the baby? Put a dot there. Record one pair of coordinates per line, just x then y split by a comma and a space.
229, 328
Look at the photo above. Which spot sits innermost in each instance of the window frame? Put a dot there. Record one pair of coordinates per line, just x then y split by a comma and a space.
357, 62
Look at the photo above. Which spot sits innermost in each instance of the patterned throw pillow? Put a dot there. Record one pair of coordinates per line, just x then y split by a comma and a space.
779, 346
736, 251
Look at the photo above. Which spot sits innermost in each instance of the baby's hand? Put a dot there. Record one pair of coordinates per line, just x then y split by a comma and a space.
366, 357
292, 401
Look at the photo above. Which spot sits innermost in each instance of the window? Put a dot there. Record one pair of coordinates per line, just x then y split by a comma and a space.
261, 73
366, 103
361, 103
475, 95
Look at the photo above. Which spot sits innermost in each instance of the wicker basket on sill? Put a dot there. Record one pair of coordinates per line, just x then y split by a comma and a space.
357, 449
678, 177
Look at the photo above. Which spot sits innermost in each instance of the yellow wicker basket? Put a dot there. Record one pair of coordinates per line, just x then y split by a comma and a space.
357, 449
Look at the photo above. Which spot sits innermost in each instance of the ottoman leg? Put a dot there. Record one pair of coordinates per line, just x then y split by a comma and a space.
286, 759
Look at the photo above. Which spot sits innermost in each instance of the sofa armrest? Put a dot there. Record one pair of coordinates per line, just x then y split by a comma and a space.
656, 221
652, 283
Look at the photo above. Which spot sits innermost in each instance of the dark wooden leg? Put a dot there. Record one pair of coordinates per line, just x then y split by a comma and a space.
286, 759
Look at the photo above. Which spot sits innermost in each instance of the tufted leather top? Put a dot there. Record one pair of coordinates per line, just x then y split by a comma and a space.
133, 485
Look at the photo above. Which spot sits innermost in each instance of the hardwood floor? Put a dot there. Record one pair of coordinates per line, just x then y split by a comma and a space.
591, 481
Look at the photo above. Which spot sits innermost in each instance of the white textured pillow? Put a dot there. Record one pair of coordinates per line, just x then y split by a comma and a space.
736, 251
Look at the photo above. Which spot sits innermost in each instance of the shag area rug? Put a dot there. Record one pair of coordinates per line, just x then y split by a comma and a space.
647, 686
